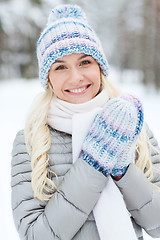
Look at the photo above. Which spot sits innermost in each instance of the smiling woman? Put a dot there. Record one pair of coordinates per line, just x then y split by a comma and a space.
85, 158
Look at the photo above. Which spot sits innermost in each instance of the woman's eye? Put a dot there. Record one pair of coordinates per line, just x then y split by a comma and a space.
85, 62
61, 67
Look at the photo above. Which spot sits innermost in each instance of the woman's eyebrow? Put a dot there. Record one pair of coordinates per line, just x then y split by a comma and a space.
58, 61
84, 56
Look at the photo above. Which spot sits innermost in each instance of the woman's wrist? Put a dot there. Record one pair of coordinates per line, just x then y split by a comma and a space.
117, 178
121, 172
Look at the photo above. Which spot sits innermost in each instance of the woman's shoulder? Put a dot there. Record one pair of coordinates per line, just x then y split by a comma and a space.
19, 135
58, 138
19, 143
19, 149
151, 136
20, 164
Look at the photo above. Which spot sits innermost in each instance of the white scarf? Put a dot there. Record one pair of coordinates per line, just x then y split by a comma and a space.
111, 216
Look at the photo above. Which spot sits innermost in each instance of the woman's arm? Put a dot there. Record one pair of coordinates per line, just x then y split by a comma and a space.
141, 197
65, 213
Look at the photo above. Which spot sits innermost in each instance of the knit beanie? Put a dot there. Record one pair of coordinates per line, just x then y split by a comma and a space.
67, 32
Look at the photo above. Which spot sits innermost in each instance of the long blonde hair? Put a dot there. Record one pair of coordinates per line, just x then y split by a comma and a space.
38, 142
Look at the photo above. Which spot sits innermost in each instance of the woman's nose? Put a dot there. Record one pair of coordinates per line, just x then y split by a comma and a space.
76, 75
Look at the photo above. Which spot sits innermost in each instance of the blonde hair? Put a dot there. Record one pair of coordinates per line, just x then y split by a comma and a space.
38, 142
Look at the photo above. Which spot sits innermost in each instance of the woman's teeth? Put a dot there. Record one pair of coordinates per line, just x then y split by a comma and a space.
78, 90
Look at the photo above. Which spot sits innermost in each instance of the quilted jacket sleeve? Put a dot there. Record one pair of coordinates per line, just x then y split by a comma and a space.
65, 213
141, 197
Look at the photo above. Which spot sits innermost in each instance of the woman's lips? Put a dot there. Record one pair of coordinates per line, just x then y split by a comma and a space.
78, 90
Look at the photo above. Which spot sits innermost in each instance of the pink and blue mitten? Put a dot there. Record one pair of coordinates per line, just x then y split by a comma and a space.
110, 143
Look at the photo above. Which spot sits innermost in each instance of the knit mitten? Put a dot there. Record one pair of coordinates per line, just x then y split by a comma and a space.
113, 135
127, 156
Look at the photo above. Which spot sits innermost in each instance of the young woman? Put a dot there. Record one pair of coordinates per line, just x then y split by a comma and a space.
86, 165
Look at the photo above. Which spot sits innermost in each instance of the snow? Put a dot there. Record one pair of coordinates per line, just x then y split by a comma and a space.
16, 97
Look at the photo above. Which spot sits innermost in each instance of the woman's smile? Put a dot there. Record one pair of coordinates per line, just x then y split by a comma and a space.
80, 90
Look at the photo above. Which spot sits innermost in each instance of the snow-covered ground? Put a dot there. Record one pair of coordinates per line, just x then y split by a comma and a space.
15, 100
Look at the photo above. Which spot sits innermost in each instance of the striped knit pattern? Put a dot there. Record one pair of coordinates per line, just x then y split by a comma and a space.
110, 143
67, 32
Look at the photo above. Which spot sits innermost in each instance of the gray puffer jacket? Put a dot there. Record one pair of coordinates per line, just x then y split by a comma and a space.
68, 214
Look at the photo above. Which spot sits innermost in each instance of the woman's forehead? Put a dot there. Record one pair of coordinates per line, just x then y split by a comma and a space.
73, 56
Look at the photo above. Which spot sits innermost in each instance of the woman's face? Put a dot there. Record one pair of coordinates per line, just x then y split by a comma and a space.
75, 78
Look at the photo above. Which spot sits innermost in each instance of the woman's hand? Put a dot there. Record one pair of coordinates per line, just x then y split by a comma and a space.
110, 143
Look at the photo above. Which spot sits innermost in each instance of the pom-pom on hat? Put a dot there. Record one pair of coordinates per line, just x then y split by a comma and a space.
67, 32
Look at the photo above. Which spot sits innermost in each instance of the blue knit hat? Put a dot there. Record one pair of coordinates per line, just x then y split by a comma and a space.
67, 32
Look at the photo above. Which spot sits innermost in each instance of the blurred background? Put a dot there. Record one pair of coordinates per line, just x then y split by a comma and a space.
130, 36
129, 31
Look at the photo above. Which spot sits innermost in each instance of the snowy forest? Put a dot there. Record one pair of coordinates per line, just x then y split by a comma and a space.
129, 31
